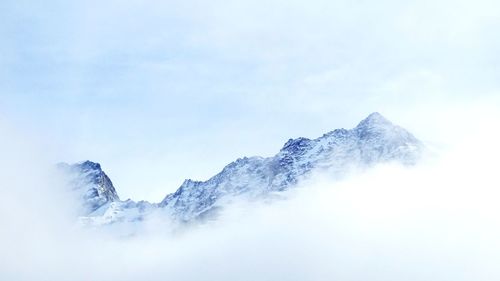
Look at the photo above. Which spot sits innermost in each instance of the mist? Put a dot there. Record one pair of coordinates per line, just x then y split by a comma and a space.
160, 91
435, 221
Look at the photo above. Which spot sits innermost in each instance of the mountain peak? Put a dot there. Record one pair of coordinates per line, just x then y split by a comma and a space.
89, 165
294, 144
374, 119
375, 140
91, 183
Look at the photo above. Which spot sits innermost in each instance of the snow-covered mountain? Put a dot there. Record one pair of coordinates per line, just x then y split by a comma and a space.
90, 184
374, 140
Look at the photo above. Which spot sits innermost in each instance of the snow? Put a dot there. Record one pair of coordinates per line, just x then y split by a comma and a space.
90, 183
374, 140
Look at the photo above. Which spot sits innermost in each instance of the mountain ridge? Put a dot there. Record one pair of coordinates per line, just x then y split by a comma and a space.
374, 140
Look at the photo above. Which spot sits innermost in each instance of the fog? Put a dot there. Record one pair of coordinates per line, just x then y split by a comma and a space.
436, 221
159, 91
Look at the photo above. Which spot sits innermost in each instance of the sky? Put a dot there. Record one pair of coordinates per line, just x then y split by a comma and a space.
161, 91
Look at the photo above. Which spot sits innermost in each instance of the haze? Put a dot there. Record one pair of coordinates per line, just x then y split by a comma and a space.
160, 91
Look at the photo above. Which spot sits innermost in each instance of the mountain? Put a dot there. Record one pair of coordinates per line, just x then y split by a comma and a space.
374, 140
90, 184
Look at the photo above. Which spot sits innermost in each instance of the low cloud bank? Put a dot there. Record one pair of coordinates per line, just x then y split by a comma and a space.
437, 221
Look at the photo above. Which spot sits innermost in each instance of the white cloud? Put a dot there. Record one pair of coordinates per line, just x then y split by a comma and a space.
153, 89
431, 222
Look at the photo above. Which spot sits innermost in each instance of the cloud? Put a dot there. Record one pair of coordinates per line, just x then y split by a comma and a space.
139, 85
432, 222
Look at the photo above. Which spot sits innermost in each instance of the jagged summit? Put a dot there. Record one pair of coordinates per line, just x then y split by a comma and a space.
293, 144
89, 165
90, 182
374, 140
374, 119
375, 123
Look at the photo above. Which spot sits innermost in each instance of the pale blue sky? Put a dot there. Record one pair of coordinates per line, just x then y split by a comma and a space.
160, 91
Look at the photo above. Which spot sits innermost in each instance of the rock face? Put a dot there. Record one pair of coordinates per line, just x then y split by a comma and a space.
374, 140
91, 184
